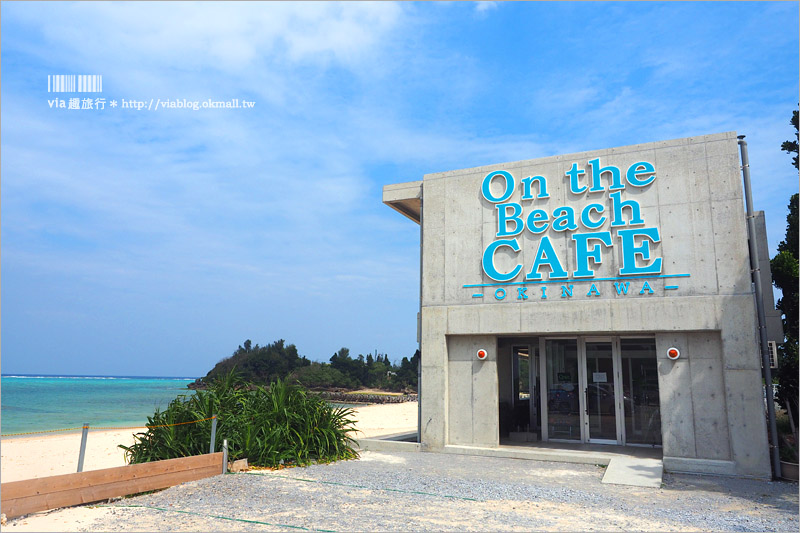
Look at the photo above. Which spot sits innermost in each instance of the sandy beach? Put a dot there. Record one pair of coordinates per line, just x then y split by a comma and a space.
53, 454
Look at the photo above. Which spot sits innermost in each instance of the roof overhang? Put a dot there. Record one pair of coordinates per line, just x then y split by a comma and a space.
405, 198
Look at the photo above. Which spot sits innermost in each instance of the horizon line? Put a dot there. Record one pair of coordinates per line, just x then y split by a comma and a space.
40, 375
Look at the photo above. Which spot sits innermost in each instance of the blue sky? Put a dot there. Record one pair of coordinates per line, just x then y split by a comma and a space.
154, 242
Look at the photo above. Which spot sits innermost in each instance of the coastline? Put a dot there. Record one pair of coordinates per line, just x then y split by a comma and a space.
35, 456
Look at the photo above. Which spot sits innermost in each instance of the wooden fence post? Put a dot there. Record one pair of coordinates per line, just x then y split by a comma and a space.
82, 454
213, 433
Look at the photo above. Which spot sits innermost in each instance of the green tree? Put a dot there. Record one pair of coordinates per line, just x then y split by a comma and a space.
791, 146
321, 376
261, 364
784, 274
354, 369
407, 373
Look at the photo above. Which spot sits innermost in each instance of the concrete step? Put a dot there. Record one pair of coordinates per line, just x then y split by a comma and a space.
635, 471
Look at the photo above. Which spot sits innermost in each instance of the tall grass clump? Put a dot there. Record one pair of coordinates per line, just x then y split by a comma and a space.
279, 424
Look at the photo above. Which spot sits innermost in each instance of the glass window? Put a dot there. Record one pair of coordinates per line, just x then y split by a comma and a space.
601, 403
640, 391
563, 400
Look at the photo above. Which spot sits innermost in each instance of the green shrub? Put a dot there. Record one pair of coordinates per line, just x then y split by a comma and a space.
782, 423
788, 444
788, 451
280, 424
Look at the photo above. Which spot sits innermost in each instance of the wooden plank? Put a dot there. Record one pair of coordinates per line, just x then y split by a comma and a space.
54, 500
30, 487
100, 492
86, 487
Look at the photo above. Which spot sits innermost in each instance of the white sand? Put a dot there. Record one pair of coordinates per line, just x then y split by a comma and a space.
386, 419
50, 455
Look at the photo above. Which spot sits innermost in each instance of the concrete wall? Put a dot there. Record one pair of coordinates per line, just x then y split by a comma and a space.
693, 395
711, 399
473, 400
696, 201
773, 315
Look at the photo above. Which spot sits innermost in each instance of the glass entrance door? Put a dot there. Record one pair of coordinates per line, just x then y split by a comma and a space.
600, 393
600, 390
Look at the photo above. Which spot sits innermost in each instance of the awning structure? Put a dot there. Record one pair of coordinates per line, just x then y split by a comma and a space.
405, 198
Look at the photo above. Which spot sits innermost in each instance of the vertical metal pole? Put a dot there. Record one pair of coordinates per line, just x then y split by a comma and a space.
224, 456
82, 453
213, 433
762, 321
419, 322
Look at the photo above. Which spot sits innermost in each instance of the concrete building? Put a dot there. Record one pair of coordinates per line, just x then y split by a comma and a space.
598, 297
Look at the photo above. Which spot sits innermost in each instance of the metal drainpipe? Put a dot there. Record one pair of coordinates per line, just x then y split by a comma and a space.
762, 322
419, 330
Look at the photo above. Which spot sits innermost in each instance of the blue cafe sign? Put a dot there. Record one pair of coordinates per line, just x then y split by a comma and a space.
589, 227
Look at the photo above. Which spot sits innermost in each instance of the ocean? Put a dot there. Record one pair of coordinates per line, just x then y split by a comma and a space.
38, 403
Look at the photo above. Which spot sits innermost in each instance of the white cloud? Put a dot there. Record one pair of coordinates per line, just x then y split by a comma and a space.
484, 7
225, 36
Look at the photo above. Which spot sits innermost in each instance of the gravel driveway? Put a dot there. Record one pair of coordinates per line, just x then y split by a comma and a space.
426, 491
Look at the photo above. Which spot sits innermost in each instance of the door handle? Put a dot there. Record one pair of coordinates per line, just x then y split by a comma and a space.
586, 394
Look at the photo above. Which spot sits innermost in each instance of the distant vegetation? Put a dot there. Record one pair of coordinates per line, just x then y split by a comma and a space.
784, 274
279, 424
278, 361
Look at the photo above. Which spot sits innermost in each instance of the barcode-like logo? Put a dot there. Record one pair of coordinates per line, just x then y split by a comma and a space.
74, 83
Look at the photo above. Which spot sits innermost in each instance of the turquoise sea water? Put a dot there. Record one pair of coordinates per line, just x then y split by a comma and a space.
36, 403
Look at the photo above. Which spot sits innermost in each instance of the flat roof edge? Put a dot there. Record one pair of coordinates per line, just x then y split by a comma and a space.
405, 198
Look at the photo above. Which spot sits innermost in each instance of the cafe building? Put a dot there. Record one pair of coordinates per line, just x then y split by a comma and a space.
601, 297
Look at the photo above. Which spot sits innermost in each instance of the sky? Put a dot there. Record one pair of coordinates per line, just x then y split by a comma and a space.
154, 242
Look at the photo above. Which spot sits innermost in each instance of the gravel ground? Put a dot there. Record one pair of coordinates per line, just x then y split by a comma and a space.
433, 492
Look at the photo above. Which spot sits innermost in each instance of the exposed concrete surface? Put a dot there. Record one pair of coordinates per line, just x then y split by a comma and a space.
711, 399
634, 471
380, 445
